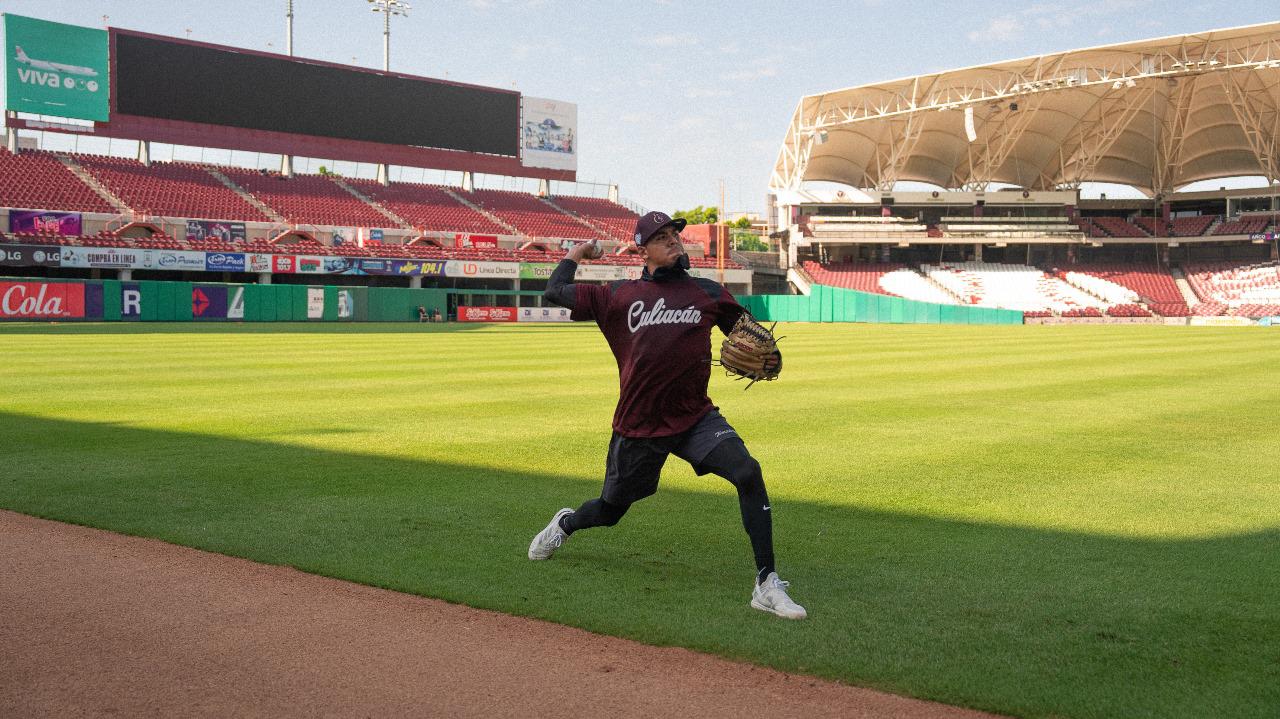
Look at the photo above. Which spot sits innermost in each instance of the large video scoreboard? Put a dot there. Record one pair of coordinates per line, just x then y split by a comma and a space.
147, 87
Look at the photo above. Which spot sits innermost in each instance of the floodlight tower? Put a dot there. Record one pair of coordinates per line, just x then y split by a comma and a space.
388, 8
288, 27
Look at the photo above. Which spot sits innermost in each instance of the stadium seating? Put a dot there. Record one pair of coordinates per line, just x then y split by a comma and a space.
613, 219
1243, 226
1193, 226
529, 215
858, 229
1250, 290
861, 276
39, 181
428, 207
912, 285
308, 199
1155, 287
1117, 227
1010, 286
175, 189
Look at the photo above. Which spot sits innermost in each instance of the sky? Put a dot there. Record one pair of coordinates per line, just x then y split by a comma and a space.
674, 96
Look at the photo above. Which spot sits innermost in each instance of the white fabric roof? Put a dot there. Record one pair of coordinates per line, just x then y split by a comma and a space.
1155, 114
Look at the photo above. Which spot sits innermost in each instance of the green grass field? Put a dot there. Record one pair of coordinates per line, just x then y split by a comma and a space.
1040, 521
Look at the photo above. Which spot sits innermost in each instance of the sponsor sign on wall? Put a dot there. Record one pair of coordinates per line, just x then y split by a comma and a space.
403, 268
309, 264
315, 303
284, 264
485, 241
62, 223
130, 301
257, 263
550, 133
543, 314
486, 314
342, 266
608, 272
30, 256
209, 302
103, 257
224, 262
536, 270
235, 304
346, 304
468, 268
55, 69
176, 260
44, 300
208, 230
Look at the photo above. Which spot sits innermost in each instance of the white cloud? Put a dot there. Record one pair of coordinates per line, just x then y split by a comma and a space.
704, 93
670, 40
751, 73
1000, 29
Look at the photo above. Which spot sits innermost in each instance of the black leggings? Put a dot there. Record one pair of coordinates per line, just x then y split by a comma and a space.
731, 460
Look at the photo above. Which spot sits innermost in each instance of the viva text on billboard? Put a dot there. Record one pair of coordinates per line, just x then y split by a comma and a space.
55, 69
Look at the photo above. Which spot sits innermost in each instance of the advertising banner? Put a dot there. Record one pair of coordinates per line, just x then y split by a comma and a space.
177, 260
224, 262
309, 264
102, 257
536, 270
209, 302
543, 314
403, 268
465, 240
346, 304
130, 301
341, 266
550, 133
486, 314
608, 272
235, 304
284, 264
257, 263
467, 268
30, 256
62, 223
55, 69
207, 230
315, 303
44, 300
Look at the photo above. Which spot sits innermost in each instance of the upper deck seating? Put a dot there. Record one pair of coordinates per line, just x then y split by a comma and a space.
173, 189
39, 181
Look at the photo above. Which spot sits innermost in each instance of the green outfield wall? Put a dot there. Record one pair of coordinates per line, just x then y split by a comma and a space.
25, 299
836, 304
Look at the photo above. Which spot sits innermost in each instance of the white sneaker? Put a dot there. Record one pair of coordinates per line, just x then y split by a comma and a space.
550, 538
771, 596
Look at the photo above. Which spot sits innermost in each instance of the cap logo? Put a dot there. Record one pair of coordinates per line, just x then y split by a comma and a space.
638, 237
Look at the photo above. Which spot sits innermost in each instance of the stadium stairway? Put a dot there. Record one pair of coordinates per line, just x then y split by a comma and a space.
400, 221
576, 218
99, 188
1184, 287
487, 214
244, 195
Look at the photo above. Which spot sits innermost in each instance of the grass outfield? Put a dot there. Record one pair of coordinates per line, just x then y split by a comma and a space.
1040, 521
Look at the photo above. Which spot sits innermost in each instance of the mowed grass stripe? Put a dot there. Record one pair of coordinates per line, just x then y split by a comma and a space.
1077, 521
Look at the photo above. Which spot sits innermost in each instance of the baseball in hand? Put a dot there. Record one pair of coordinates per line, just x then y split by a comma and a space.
594, 251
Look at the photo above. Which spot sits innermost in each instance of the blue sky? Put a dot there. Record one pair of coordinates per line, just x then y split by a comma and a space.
673, 95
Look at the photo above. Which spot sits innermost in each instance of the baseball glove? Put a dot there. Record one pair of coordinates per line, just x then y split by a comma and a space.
750, 351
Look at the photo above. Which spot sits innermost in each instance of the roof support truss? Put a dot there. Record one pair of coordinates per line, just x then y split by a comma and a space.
1257, 114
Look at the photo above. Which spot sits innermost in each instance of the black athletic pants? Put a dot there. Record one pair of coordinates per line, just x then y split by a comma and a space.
731, 460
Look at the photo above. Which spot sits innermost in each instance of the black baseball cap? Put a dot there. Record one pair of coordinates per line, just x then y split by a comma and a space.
650, 222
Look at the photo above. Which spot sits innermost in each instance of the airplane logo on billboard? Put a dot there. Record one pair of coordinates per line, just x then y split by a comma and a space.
45, 72
53, 66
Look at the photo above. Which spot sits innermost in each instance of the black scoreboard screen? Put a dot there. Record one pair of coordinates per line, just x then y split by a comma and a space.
157, 78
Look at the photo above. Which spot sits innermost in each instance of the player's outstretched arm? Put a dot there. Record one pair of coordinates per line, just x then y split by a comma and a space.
560, 288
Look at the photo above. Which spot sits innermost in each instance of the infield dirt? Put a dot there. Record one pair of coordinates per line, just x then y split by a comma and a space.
97, 623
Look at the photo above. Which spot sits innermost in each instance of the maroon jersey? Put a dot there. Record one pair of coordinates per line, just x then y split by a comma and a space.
660, 333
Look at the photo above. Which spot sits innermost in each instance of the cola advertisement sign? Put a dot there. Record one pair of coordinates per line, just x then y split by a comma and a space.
42, 300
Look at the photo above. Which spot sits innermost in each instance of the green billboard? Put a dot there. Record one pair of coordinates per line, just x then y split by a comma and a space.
55, 69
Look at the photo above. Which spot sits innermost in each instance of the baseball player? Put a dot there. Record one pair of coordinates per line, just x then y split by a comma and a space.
659, 329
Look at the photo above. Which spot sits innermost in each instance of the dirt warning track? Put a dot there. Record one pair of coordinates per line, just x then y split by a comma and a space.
95, 623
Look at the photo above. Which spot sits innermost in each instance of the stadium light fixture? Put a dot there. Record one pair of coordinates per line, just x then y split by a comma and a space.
388, 8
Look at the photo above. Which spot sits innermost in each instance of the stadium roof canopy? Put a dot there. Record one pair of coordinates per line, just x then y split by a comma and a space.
1155, 114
